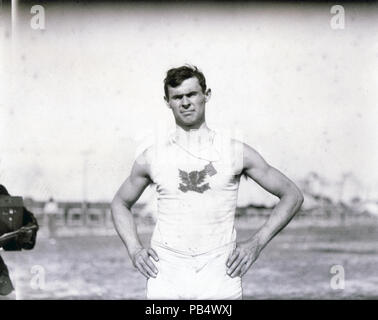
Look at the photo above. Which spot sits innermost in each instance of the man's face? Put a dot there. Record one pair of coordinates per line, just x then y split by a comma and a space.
187, 102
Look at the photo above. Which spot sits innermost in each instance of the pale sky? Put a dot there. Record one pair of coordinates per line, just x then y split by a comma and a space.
299, 92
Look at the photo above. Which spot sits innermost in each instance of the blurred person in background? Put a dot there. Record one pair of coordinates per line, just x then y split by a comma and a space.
26, 239
193, 252
51, 211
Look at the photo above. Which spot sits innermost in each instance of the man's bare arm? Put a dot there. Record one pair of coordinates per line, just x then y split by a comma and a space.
275, 182
291, 200
125, 198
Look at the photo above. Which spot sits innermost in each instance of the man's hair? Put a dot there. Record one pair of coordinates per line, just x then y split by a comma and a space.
176, 76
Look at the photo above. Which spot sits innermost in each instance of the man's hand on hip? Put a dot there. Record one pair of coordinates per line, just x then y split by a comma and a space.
141, 261
242, 258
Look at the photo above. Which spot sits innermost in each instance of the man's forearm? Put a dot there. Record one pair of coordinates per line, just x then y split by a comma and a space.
125, 226
281, 215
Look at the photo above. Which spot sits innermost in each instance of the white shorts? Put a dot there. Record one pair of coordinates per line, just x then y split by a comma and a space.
193, 277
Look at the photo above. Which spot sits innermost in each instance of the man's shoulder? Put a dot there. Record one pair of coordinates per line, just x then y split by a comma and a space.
227, 137
231, 144
246, 148
151, 152
246, 155
236, 142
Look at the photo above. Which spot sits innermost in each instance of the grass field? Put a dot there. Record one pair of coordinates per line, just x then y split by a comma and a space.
295, 265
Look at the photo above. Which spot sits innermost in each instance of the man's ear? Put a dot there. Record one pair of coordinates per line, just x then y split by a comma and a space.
167, 103
207, 95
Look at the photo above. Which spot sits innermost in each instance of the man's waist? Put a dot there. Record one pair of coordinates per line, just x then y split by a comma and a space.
200, 219
193, 240
185, 252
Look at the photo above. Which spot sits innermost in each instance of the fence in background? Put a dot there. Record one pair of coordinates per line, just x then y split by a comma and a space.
72, 214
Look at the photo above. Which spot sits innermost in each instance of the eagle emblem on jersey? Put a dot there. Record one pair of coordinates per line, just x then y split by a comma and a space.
194, 180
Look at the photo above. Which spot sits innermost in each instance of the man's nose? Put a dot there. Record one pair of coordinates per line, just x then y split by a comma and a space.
185, 102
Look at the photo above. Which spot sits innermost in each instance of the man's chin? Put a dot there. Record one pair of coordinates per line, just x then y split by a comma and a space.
188, 123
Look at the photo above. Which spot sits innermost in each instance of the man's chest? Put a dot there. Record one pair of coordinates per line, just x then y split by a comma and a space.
184, 178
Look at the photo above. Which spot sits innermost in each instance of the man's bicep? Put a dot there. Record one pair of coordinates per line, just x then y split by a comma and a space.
134, 185
265, 175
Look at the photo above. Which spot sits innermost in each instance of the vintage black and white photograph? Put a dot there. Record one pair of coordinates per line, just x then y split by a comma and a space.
188, 150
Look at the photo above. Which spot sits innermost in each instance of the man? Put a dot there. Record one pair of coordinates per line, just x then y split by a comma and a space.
51, 210
26, 240
193, 253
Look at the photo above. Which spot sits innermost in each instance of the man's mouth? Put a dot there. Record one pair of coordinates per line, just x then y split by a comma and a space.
187, 113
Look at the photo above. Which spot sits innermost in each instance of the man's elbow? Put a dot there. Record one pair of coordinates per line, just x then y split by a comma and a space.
115, 204
118, 203
299, 198
295, 195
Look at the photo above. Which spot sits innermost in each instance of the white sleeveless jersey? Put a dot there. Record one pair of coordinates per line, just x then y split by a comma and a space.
197, 193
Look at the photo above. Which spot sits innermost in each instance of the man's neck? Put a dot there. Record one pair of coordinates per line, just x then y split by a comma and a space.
194, 139
184, 134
